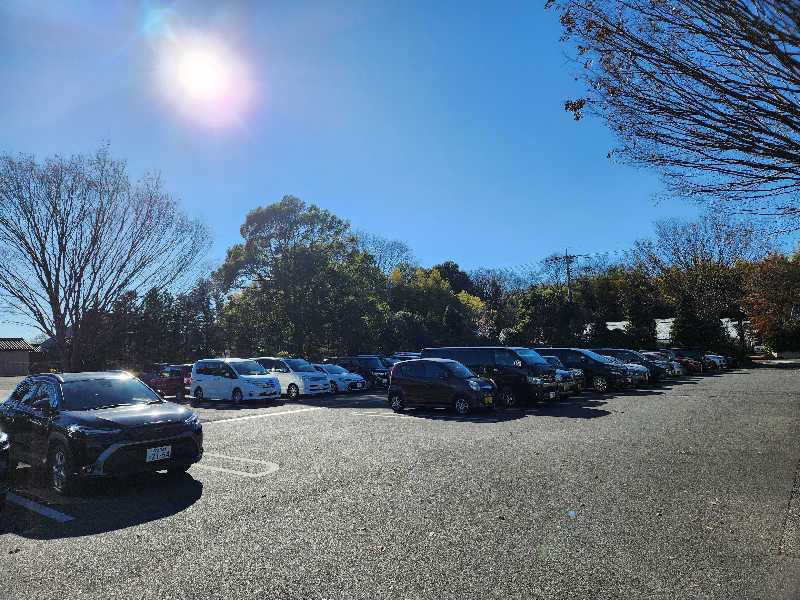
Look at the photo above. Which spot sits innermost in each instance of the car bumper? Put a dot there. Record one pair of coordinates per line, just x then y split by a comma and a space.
127, 457
548, 390
483, 399
263, 394
356, 386
314, 389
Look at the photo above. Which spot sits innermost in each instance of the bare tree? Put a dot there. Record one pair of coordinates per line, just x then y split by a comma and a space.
704, 90
76, 233
388, 253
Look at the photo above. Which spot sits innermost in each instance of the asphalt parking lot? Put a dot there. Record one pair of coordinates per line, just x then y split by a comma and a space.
690, 490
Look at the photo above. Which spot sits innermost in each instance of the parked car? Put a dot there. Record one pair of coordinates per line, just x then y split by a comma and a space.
340, 379
406, 355
519, 374
601, 373
657, 368
369, 366
638, 375
570, 380
170, 382
6, 469
760, 349
94, 425
695, 354
297, 376
233, 379
437, 382
717, 359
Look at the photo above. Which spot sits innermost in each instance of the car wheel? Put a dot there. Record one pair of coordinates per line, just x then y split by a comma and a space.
59, 469
508, 398
396, 402
236, 396
334, 387
461, 406
198, 394
293, 392
600, 383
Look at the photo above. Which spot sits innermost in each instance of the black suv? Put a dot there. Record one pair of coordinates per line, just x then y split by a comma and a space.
90, 425
369, 366
600, 372
519, 373
437, 382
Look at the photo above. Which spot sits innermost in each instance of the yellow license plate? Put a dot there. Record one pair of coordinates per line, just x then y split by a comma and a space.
566, 388
487, 400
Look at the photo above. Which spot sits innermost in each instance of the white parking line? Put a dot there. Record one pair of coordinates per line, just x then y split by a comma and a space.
272, 467
262, 415
39, 508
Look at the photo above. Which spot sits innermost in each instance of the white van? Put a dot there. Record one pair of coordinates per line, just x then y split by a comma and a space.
234, 379
297, 376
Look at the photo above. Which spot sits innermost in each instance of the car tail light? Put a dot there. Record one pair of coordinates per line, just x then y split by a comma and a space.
392, 373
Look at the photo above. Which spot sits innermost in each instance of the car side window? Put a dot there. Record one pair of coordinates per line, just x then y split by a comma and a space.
34, 393
432, 371
227, 372
46, 391
504, 358
22, 390
414, 369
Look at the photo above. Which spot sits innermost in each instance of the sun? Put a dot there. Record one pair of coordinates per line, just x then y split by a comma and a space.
205, 79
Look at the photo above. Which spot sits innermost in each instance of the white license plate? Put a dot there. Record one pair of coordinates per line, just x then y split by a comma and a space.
552, 395
160, 453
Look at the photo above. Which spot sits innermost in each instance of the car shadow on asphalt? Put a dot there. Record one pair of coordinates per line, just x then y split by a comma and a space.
100, 506
478, 416
574, 408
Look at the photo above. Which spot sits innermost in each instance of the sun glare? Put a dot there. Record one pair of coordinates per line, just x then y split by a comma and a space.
205, 80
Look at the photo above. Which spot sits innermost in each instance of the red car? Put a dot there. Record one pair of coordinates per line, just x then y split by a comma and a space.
170, 382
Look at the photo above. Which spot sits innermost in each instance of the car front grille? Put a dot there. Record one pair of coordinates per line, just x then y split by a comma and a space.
132, 458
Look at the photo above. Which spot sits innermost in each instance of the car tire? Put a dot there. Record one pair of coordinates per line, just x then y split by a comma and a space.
237, 396
600, 384
293, 392
508, 398
59, 470
396, 402
461, 406
198, 394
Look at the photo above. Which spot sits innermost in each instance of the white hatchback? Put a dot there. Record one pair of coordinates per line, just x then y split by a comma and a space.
233, 379
342, 380
297, 376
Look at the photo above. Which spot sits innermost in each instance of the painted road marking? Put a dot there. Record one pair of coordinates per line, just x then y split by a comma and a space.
39, 508
271, 467
262, 415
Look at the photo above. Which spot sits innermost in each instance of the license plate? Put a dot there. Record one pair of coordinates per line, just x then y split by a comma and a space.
160, 453
359, 384
552, 395
487, 400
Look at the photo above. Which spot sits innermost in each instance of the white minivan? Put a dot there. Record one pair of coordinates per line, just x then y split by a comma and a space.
234, 379
297, 376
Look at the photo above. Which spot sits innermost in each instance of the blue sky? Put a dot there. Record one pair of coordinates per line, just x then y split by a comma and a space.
440, 124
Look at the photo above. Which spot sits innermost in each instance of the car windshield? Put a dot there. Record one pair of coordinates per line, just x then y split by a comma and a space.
554, 361
598, 357
334, 369
459, 370
373, 363
389, 361
248, 367
298, 365
530, 356
91, 394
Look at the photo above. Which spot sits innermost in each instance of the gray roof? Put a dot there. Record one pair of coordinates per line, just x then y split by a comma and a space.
15, 345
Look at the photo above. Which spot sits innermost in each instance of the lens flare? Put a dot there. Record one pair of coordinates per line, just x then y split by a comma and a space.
205, 80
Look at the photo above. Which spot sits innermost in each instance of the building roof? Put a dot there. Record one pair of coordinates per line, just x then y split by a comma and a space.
15, 345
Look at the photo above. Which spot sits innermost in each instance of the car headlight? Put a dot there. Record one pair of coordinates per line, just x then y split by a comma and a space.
192, 419
4, 443
84, 431
534, 380
474, 385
